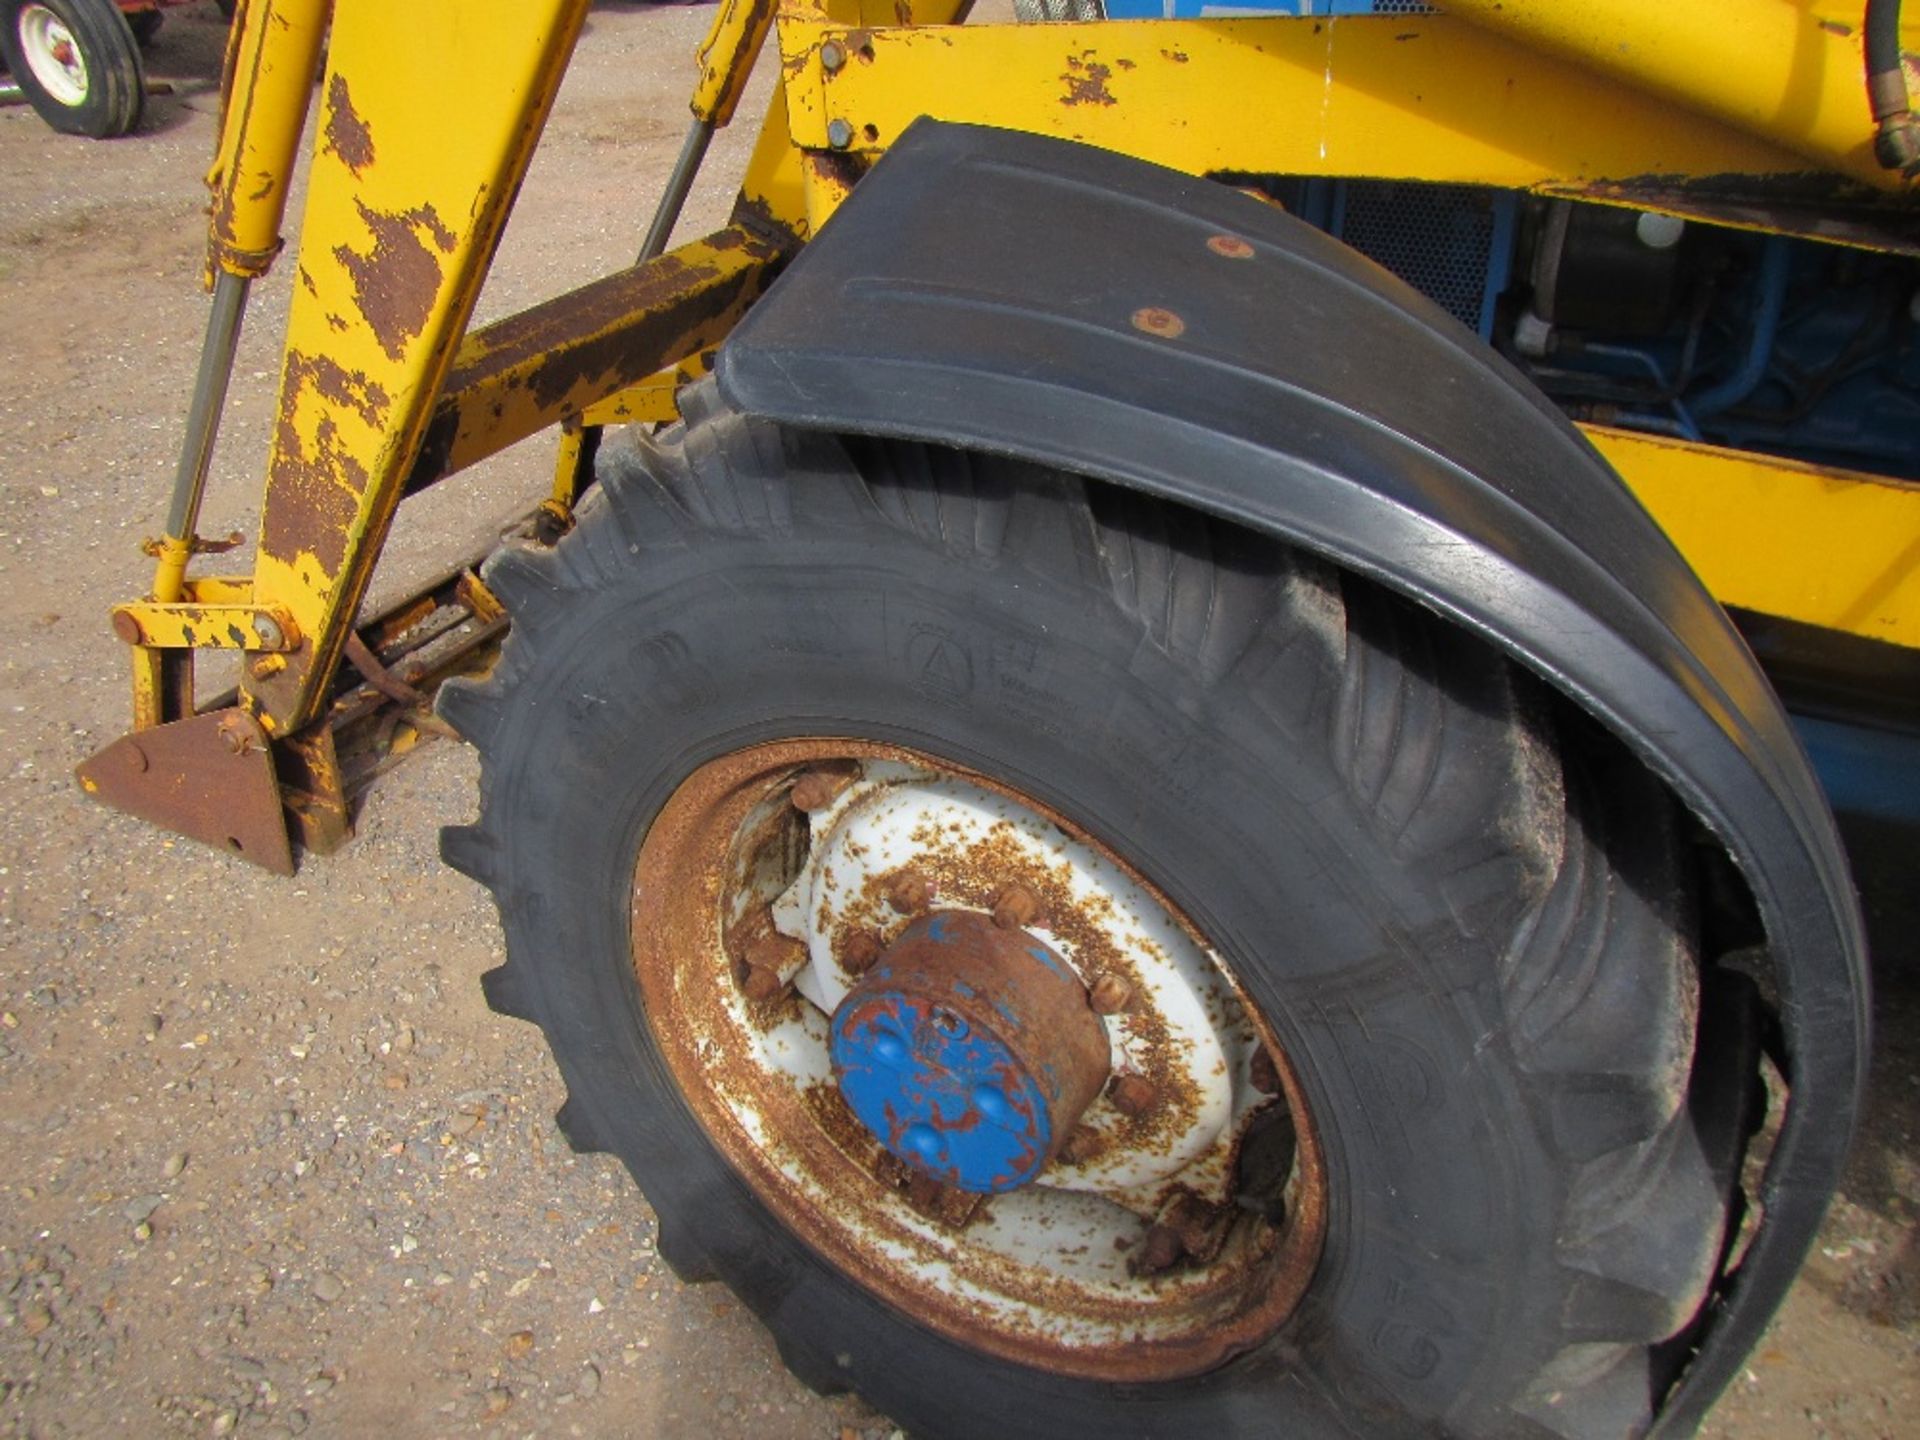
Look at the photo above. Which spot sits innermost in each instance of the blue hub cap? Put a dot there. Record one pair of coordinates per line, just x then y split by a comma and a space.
969, 1051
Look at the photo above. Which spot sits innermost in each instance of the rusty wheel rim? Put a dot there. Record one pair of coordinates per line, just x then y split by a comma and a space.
1067, 1280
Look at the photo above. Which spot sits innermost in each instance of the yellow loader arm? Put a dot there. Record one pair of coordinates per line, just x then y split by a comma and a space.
384, 391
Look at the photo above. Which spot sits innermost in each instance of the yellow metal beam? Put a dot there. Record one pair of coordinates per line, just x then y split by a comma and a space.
1765, 67
415, 167
555, 360
195, 624
1419, 97
1825, 547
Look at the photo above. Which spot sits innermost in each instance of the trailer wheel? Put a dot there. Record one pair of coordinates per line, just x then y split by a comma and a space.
1077, 968
77, 62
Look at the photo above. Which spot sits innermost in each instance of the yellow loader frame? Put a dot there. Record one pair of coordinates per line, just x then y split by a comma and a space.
1719, 112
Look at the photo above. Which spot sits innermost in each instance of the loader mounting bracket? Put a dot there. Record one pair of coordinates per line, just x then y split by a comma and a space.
209, 777
1028, 296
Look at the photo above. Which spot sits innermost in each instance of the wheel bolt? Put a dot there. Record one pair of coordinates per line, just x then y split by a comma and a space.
859, 952
1081, 1145
910, 892
923, 1190
1133, 1094
762, 984
1264, 1074
1110, 994
770, 963
818, 789
1160, 1250
1015, 908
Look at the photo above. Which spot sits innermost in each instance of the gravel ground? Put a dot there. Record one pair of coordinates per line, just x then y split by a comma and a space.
268, 1166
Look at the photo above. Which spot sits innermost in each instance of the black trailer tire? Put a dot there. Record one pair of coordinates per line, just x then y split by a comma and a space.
1468, 917
77, 62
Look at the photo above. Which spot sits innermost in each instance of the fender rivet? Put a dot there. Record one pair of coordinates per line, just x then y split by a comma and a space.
1156, 321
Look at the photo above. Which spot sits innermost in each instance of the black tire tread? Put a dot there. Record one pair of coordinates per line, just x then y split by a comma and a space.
1472, 793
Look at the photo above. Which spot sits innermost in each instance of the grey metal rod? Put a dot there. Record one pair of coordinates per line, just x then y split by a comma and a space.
209, 398
678, 185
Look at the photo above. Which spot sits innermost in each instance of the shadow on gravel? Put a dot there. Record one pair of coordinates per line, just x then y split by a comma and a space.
1881, 1176
185, 58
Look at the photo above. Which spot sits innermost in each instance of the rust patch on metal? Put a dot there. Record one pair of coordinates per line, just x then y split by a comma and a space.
208, 777
314, 494
582, 346
347, 135
398, 280
859, 1222
1232, 247
1086, 80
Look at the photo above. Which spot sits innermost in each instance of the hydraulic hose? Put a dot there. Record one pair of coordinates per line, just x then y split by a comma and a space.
1770, 287
1896, 141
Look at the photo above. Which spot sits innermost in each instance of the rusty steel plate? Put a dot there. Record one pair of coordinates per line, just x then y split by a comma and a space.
1124, 1278
209, 777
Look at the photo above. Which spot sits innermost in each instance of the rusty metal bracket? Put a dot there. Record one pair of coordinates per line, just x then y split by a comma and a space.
209, 777
189, 625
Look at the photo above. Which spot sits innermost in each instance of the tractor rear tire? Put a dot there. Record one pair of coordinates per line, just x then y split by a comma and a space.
1466, 912
77, 62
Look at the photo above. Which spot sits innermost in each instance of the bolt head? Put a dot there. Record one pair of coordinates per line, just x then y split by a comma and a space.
818, 789
839, 133
1015, 908
760, 983
777, 953
1160, 1250
265, 667
1081, 1145
833, 55
910, 892
234, 735
269, 631
1110, 994
1133, 1094
860, 951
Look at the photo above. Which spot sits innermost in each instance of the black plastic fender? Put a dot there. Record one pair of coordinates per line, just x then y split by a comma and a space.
1005, 292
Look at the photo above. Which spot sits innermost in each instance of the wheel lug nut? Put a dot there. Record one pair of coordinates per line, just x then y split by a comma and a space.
818, 789
1081, 1145
1133, 1094
1015, 908
859, 951
1264, 1074
769, 966
1110, 994
910, 892
1160, 1250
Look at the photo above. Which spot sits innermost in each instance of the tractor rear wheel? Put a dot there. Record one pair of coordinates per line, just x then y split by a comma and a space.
1393, 1117
77, 62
